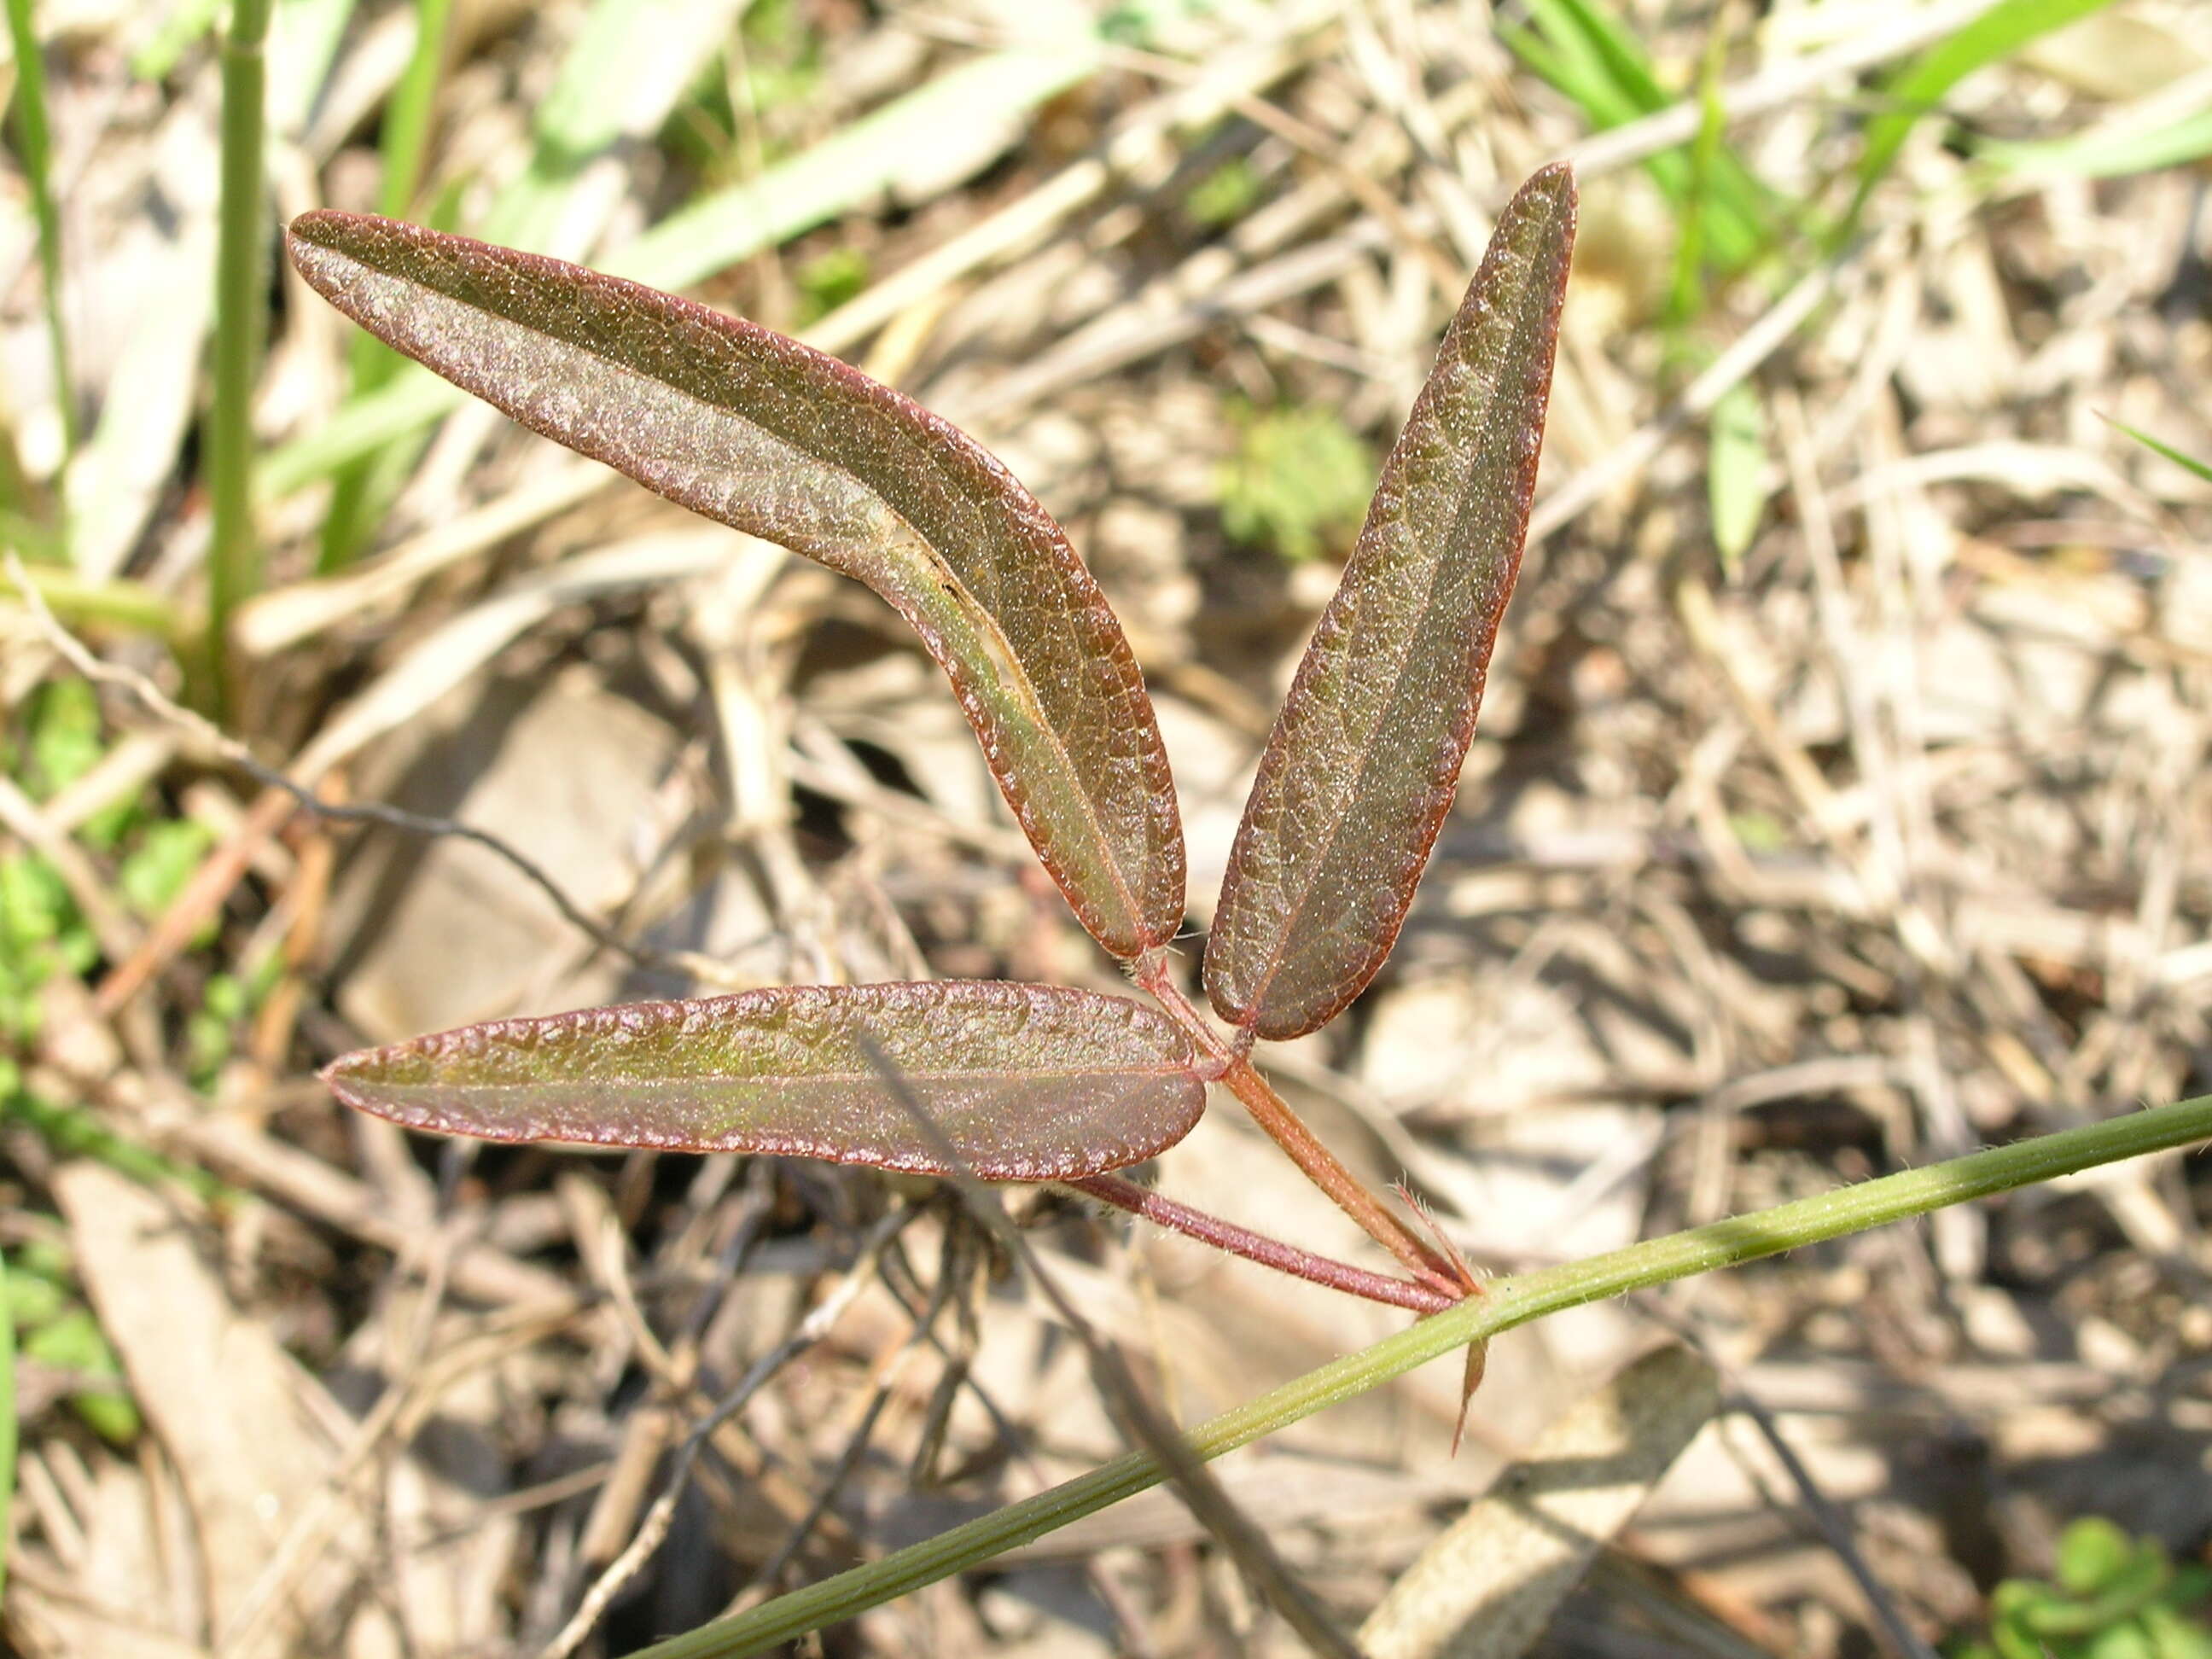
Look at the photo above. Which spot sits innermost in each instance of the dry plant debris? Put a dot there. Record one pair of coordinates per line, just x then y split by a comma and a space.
1839, 804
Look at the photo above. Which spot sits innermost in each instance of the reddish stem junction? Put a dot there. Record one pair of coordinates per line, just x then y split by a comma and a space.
1258, 1247
1438, 1282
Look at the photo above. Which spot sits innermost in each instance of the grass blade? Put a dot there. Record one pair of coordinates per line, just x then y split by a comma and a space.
405, 138
1919, 88
620, 77
1736, 470
770, 436
181, 25
235, 554
2103, 152
1591, 60
1016, 1082
2158, 446
790, 198
850, 166
360, 492
1687, 294
1360, 769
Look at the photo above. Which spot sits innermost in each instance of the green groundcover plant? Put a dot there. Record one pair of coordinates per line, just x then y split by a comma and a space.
2110, 1596
1017, 1082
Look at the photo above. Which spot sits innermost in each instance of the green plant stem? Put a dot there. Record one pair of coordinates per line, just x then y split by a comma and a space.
1507, 1303
406, 133
37, 152
368, 481
118, 604
235, 557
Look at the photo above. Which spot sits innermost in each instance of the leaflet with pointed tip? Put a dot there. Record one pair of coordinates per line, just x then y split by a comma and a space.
760, 432
1360, 769
1004, 1081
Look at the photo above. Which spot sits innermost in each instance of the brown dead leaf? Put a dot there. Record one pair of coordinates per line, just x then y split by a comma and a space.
1487, 1586
235, 1413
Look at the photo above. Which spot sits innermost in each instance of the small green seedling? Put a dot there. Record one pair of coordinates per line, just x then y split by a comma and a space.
2112, 1596
1004, 1081
1297, 482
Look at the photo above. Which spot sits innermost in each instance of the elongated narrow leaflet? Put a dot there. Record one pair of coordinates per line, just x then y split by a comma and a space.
1360, 769
764, 433
1012, 1082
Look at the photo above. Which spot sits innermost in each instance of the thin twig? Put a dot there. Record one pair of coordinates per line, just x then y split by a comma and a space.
1837, 1532
1835, 1529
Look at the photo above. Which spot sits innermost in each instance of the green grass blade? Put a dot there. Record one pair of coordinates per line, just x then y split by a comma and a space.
794, 196
1561, 69
38, 543
624, 74
852, 165
406, 133
1571, 61
33, 142
1687, 293
1504, 1305
2102, 154
235, 553
1578, 47
1736, 470
73, 1131
183, 23
2187, 463
1618, 52
358, 493
118, 604
1918, 89
410, 401
620, 78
